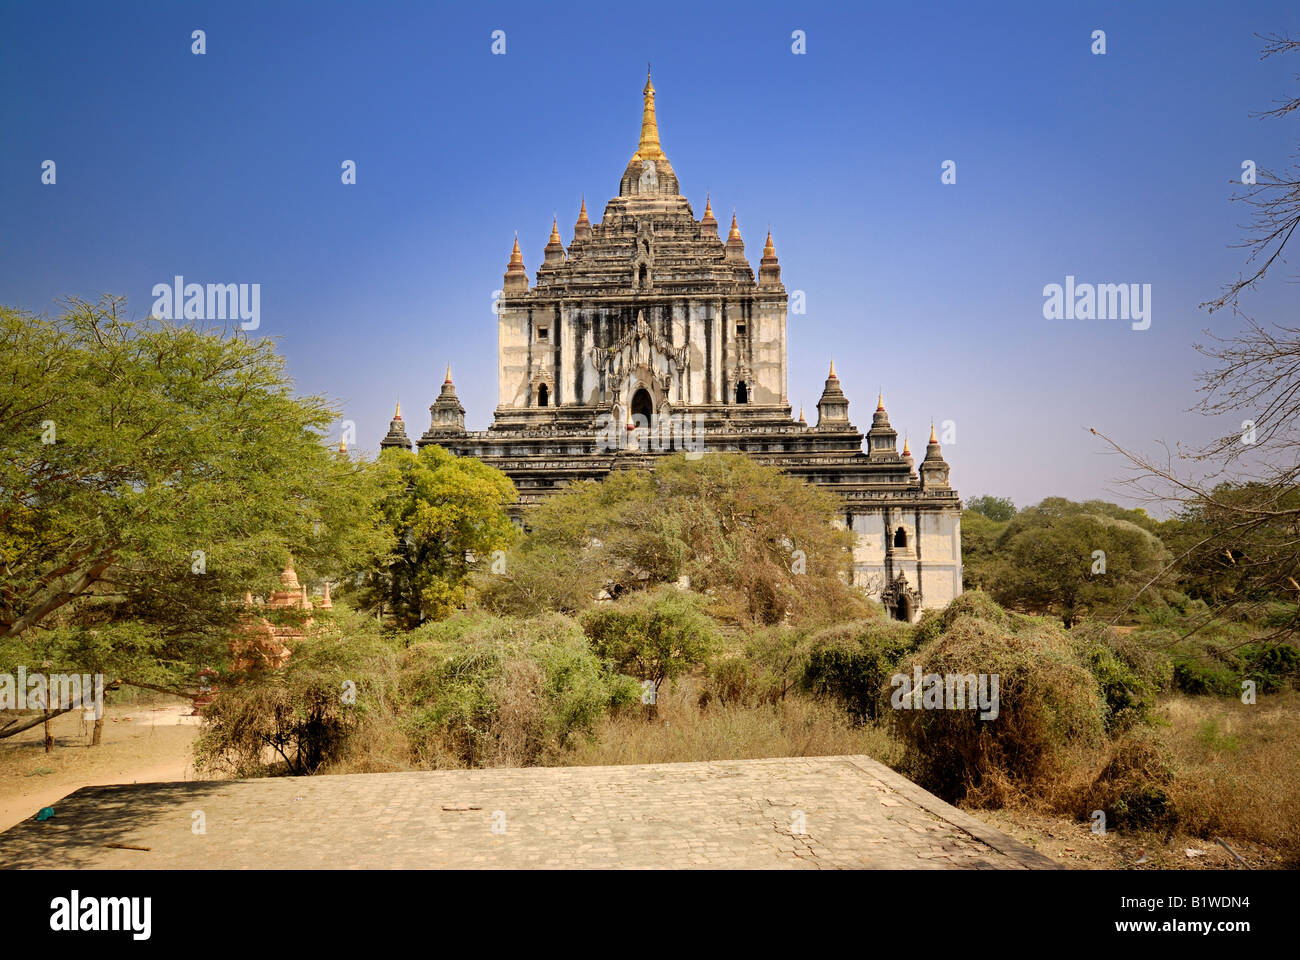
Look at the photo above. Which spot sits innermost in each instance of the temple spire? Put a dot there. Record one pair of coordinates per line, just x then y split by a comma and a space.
649, 148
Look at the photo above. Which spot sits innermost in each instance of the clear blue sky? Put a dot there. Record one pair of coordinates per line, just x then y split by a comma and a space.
226, 168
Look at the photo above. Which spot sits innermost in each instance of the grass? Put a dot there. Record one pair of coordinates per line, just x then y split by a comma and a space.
1237, 768
684, 732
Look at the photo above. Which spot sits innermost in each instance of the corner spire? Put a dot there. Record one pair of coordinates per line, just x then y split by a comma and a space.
708, 222
516, 278
448, 380
933, 438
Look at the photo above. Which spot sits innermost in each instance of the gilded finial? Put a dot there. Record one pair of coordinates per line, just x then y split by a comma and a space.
907, 451
649, 148
801, 417
515, 256
555, 230
582, 214
343, 444
933, 438
448, 380
735, 228
831, 375
768, 249
880, 401
397, 414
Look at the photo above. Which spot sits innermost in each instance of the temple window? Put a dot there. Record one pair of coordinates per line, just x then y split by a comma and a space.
900, 537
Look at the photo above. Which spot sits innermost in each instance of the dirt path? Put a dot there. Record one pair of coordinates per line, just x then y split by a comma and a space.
141, 744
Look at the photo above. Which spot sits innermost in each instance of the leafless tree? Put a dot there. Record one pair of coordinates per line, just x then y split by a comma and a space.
1239, 493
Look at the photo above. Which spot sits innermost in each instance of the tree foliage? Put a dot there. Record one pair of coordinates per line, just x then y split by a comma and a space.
759, 543
150, 474
446, 516
1071, 559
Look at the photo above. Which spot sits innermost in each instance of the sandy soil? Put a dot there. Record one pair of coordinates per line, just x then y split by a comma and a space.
140, 744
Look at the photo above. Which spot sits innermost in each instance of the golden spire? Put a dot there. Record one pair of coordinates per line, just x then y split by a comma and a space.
768, 249
907, 452
831, 375
708, 207
801, 418
649, 148
398, 414
933, 439
582, 214
555, 231
343, 444
515, 256
735, 228
880, 402
448, 380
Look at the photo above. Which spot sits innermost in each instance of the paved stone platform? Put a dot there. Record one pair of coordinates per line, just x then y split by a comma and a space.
801, 812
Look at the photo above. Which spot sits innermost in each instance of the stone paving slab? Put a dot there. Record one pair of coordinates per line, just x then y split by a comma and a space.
797, 812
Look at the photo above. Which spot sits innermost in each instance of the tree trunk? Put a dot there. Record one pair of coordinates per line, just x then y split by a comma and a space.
49, 737
98, 733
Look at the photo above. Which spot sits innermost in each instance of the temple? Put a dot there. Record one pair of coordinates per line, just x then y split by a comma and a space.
649, 334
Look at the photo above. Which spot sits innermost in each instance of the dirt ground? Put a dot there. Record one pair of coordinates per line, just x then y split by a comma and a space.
141, 743
1075, 846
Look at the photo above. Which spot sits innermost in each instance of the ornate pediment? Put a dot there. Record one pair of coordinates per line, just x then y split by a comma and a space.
638, 348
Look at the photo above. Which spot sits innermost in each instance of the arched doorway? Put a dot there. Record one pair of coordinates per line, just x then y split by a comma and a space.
903, 608
543, 396
642, 406
900, 537
742, 392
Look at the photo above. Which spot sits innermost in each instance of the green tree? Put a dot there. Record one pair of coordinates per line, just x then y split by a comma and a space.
760, 543
656, 636
979, 539
1071, 559
998, 509
150, 474
447, 517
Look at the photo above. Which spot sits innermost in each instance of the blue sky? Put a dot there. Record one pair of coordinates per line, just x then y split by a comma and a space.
225, 167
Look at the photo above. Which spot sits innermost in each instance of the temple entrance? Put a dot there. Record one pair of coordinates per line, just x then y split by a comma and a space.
742, 392
642, 406
903, 609
543, 396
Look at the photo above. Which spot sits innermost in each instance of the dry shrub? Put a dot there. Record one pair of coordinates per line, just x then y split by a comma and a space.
796, 727
1049, 706
853, 663
1132, 788
479, 690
